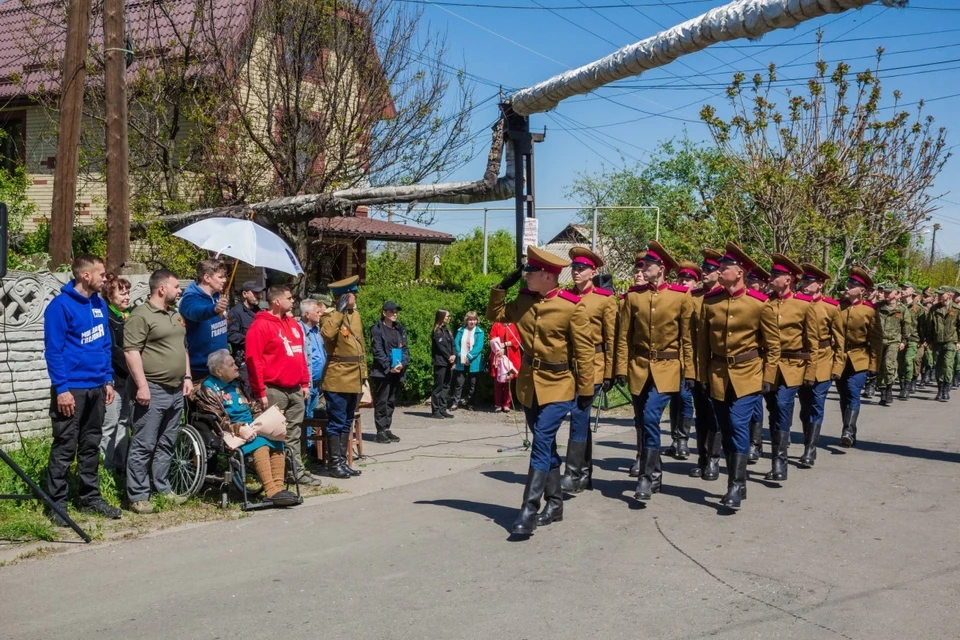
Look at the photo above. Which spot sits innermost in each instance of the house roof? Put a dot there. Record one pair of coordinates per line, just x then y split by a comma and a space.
373, 229
578, 235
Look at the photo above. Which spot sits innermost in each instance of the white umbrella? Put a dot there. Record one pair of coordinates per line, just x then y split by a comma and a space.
244, 240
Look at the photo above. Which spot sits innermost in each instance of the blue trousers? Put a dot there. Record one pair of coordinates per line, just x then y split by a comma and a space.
758, 410
849, 387
681, 405
734, 415
580, 420
706, 418
312, 401
544, 423
812, 402
649, 407
341, 408
780, 403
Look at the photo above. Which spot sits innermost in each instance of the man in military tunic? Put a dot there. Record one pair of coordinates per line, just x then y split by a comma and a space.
601, 305
944, 328
892, 315
681, 403
908, 366
862, 343
758, 279
827, 349
345, 373
708, 431
654, 355
733, 333
556, 372
796, 324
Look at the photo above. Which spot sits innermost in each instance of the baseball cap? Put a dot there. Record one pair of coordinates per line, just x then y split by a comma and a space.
251, 285
390, 305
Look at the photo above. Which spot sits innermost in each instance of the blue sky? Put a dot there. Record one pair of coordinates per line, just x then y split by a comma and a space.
519, 47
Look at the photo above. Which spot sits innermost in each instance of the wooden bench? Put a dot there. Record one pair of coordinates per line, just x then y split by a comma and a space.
319, 426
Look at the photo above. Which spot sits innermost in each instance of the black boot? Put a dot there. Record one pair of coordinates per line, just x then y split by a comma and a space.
756, 442
736, 482
344, 445
573, 479
849, 436
714, 449
702, 456
334, 463
681, 445
942, 391
587, 480
780, 440
883, 396
946, 391
868, 388
526, 522
650, 477
811, 435
553, 512
904, 390
635, 469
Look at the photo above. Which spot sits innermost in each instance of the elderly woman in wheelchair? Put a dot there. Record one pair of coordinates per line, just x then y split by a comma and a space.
221, 396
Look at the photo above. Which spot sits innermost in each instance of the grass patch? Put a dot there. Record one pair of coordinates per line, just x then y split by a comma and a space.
26, 526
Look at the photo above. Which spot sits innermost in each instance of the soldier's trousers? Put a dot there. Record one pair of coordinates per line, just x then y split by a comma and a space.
341, 409
918, 359
780, 403
887, 371
733, 416
544, 422
930, 357
649, 405
946, 361
758, 410
849, 387
812, 402
681, 405
907, 359
706, 418
580, 419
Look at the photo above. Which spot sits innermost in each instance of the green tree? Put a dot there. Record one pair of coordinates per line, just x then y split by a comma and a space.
462, 261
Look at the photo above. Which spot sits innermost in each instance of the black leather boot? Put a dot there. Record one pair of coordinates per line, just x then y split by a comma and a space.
334, 463
904, 390
635, 469
780, 440
344, 445
587, 480
526, 522
883, 396
650, 478
811, 435
553, 512
714, 450
573, 478
868, 388
756, 442
736, 482
946, 391
849, 436
942, 391
681, 445
697, 471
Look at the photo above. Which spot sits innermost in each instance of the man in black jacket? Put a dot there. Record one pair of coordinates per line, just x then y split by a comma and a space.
239, 319
391, 356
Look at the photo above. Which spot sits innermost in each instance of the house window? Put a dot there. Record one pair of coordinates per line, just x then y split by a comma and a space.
12, 139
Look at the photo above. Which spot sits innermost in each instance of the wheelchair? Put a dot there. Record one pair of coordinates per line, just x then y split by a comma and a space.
201, 458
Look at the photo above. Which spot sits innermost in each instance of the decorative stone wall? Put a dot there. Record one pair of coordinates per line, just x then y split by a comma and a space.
24, 384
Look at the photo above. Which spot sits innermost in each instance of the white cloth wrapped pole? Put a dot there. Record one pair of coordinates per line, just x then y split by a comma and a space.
741, 19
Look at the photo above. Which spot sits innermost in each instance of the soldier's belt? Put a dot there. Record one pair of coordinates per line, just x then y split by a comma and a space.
795, 355
856, 345
656, 355
746, 356
824, 343
600, 348
346, 359
543, 365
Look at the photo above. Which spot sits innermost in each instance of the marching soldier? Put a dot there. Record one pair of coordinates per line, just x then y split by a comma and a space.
556, 372
944, 327
862, 342
346, 370
654, 355
892, 316
601, 306
928, 366
639, 280
681, 404
911, 355
733, 331
827, 348
757, 280
708, 431
796, 321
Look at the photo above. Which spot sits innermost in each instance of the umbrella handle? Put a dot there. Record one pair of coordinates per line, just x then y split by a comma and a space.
233, 274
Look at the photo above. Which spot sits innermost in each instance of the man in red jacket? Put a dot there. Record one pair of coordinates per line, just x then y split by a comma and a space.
278, 369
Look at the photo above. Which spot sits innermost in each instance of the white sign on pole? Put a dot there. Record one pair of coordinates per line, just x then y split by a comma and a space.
530, 229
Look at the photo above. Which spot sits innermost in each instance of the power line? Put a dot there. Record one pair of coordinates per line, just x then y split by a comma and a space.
646, 5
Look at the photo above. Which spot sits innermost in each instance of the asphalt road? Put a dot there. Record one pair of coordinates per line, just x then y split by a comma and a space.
862, 546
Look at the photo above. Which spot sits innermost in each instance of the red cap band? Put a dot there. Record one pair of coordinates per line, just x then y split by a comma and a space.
711, 262
549, 268
858, 279
688, 272
780, 268
584, 260
652, 255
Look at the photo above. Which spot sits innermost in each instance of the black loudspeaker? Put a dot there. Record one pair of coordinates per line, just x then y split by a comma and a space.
3, 239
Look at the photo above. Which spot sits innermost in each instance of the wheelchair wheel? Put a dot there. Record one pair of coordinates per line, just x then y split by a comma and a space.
254, 486
188, 464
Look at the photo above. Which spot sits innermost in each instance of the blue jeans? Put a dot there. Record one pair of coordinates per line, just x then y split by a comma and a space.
341, 408
544, 422
780, 403
580, 419
812, 402
681, 405
649, 406
849, 387
734, 415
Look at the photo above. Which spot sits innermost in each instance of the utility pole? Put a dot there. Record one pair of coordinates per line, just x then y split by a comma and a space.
933, 241
118, 185
68, 134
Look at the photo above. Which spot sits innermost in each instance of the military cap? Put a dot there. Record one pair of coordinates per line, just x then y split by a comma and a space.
347, 285
656, 253
860, 276
735, 255
782, 264
944, 289
907, 285
582, 255
543, 260
888, 286
711, 259
688, 269
813, 272
758, 273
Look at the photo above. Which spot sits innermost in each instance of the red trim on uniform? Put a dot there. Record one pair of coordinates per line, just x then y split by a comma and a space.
710, 261
569, 296
638, 287
549, 268
835, 303
757, 295
601, 292
584, 260
713, 292
678, 287
662, 286
869, 304
687, 272
804, 298
807, 275
553, 293
856, 279
653, 255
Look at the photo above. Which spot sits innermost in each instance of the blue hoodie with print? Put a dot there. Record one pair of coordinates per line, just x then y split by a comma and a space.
206, 331
76, 340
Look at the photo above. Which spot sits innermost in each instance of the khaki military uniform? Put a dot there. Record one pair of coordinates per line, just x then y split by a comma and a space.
346, 359
601, 308
827, 342
796, 319
862, 337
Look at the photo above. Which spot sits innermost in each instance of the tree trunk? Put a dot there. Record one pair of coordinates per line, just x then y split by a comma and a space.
118, 189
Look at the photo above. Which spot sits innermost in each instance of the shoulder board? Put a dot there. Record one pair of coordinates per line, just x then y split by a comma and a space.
756, 294
677, 287
637, 287
697, 290
830, 301
602, 292
715, 292
623, 295
869, 304
569, 296
802, 297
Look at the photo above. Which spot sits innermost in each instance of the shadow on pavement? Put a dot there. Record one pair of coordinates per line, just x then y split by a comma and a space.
502, 516
510, 477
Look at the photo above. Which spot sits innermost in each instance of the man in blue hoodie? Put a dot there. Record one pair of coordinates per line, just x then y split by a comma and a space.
77, 351
204, 312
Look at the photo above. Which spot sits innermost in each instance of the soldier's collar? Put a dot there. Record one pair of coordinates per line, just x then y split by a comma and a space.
585, 291
553, 293
785, 296
737, 293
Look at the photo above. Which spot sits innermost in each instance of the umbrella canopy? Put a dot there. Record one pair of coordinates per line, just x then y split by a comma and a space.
244, 240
